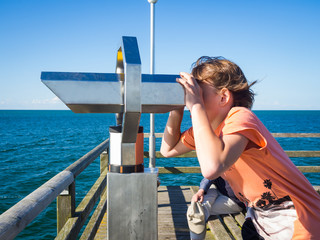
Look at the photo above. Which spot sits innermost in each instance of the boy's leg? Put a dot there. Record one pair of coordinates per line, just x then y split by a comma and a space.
196, 221
201, 236
224, 205
209, 200
214, 203
221, 204
249, 232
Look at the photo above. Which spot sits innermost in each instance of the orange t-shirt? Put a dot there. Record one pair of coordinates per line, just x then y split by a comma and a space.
262, 175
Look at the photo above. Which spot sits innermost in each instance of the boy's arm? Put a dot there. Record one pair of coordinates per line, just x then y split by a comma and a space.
171, 144
205, 184
215, 155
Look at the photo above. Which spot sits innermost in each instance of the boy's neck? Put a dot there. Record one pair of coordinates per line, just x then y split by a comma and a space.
215, 123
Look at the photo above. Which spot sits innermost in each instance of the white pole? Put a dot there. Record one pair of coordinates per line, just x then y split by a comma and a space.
152, 138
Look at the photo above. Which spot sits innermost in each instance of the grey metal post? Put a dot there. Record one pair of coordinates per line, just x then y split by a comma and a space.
132, 190
152, 138
131, 193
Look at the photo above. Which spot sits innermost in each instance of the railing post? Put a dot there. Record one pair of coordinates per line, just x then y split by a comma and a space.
65, 206
104, 159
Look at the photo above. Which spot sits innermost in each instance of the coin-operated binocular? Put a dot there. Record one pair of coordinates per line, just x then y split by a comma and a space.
132, 189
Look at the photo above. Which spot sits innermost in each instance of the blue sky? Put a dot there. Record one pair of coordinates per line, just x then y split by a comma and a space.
275, 42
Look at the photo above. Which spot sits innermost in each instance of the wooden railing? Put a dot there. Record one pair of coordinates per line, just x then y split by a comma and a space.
291, 154
72, 218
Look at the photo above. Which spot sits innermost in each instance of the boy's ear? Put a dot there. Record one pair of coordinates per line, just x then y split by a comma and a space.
225, 96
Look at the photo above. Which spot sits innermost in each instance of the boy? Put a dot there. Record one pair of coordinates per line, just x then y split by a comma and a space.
231, 142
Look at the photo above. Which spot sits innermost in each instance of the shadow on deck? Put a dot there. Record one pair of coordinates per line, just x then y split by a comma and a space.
173, 202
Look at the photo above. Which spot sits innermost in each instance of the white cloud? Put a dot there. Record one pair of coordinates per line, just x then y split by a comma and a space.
47, 103
5, 101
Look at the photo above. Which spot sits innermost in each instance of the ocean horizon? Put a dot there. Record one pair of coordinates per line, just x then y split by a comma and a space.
35, 145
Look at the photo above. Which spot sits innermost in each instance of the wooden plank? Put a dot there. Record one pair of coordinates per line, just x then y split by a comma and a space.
209, 235
232, 225
169, 211
157, 135
296, 135
303, 153
179, 170
166, 170
167, 219
277, 135
177, 226
180, 193
194, 189
309, 168
193, 154
239, 217
102, 231
185, 197
218, 230
97, 217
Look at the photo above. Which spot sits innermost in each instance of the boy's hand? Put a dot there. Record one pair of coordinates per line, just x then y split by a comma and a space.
193, 92
198, 196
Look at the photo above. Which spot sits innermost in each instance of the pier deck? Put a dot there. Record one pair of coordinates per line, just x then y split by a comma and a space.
173, 202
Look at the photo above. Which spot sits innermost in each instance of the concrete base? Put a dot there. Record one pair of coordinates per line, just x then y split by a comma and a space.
132, 206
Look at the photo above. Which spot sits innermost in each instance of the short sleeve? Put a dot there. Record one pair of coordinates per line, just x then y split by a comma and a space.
187, 139
244, 122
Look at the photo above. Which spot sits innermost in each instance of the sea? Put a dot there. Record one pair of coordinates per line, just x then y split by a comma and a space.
35, 145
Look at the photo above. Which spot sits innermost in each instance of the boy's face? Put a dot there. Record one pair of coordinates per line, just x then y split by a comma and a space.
211, 99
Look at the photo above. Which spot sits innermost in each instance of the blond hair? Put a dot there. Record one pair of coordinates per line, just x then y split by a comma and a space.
222, 73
